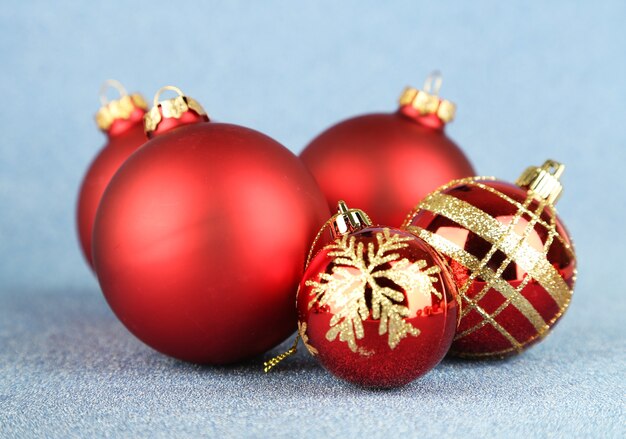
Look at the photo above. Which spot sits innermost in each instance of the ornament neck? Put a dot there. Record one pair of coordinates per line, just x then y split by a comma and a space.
427, 120
120, 126
172, 113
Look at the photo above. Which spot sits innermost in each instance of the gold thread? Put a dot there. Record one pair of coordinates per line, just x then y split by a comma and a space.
305, 339
268, 365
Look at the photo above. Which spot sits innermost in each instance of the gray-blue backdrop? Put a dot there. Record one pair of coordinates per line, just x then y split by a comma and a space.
532, 81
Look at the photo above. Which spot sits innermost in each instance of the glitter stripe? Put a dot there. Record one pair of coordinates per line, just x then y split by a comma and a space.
487, 257
473, 263
568, 247
478, 182
518, 291
551, 235
491, 230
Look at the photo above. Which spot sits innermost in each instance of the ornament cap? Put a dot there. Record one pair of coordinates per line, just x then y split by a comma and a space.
543, 180
127, 109
348, 220
425, 105
171, 113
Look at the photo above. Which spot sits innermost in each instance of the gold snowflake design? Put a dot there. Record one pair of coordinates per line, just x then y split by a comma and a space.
356, 268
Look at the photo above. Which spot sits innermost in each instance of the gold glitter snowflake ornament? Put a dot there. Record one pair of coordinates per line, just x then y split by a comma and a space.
376, 305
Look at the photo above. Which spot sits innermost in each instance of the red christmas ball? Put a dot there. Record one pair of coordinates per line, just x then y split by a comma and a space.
200, 238
511, 257
122, 121
386, 163
377, 307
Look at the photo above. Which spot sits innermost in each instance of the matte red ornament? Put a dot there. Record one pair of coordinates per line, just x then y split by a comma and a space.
511, 257
201, 237
376, 306
122, 121
387, 162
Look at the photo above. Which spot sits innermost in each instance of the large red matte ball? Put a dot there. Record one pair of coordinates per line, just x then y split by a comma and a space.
384, 163
200, 241
120, 145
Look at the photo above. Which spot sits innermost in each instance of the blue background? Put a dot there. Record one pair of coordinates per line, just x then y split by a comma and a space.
531, 81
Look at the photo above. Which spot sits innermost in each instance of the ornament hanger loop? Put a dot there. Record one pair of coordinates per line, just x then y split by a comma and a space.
173, 88
111, 83
553, 167
433, 82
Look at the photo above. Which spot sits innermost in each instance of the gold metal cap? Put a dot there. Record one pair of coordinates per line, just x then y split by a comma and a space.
427, 101
170, 108
543, 180
121, 108
348, 220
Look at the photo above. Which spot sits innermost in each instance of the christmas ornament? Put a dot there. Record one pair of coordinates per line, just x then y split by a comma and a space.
201, 237
389, 161
376, 306
122, 121
511, 257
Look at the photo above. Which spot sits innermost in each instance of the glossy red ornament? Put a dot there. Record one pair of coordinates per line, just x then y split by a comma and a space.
377, 306
387, 162
122, 122
511, 257
200, 238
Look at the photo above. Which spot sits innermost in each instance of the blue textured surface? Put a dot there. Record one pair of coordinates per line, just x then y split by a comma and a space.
531, 82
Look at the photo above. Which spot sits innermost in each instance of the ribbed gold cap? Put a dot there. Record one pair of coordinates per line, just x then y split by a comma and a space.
170, 108
348, 220
543, 180
427, 101
121, 108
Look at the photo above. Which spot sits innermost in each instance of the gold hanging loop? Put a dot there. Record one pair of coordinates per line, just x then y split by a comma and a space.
433, 82
106, 85
158, 94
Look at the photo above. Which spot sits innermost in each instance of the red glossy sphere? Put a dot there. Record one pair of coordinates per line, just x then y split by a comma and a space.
200, 240
124, 137
384, 163
377, 307
512, 260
